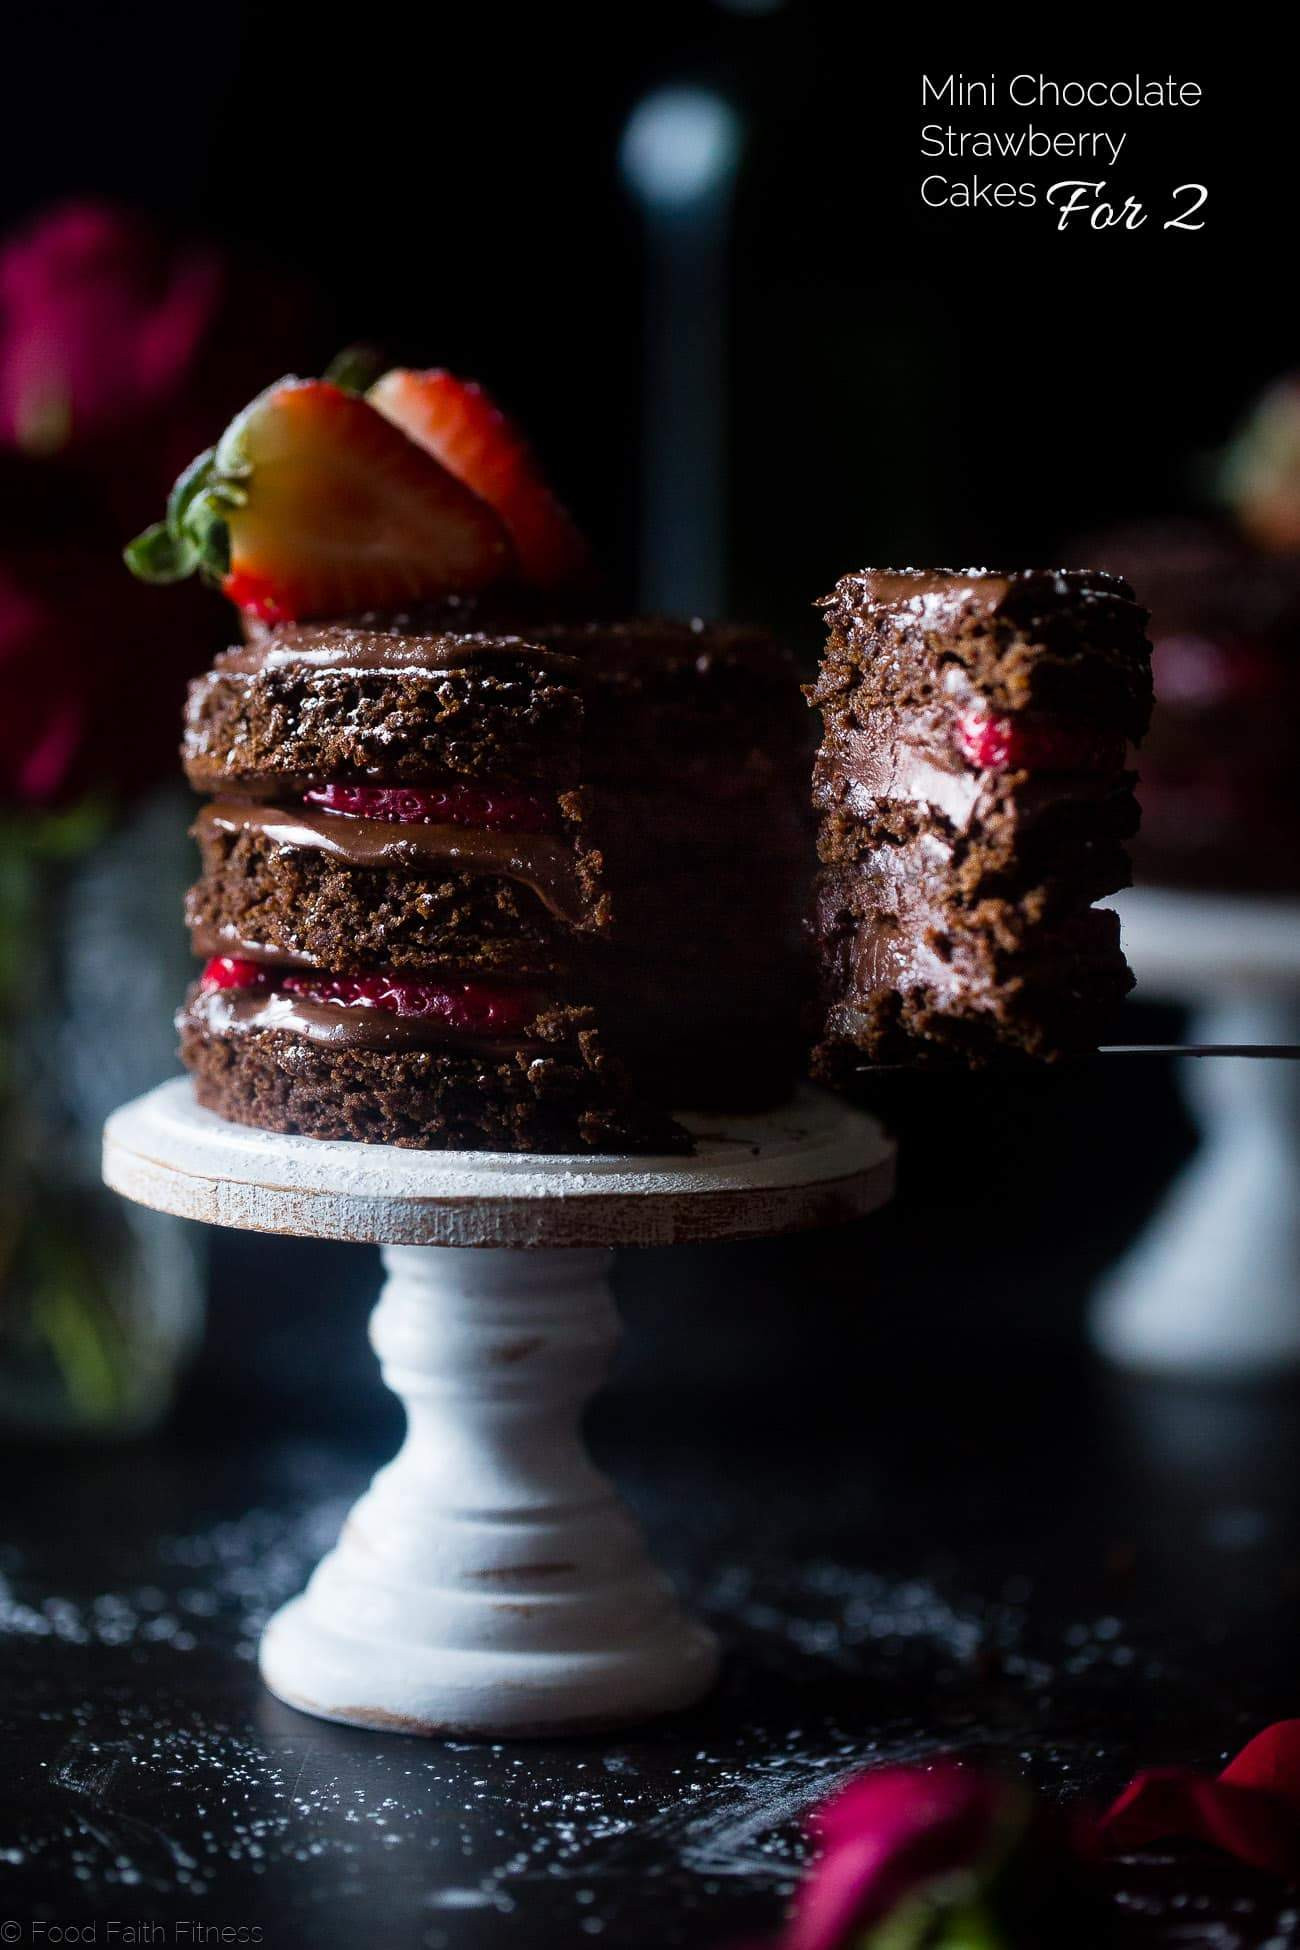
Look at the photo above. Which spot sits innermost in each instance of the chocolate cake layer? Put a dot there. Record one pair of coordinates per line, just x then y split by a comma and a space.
902, 774
284, 1066
1063, 640
270, 890
708, 707
399, 699
302, 704
974, 802
908, 982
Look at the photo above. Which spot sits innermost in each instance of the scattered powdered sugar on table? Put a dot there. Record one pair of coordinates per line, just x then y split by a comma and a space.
853, 1667
243, 1568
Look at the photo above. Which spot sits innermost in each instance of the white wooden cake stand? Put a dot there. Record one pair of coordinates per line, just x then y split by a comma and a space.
1212, 1288
490, 1581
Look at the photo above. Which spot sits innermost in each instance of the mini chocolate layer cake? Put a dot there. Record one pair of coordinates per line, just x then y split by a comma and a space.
974, 802
517, 891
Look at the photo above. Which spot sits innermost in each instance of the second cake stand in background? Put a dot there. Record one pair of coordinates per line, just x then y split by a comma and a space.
1212, 1288
490, 1581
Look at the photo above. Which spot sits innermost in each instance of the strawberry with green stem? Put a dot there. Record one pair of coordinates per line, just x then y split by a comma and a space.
314, 504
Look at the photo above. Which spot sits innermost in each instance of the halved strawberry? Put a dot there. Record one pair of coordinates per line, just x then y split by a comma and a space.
230, 972
461, 424
506, 808
481, 1006
1035, 742
313, 504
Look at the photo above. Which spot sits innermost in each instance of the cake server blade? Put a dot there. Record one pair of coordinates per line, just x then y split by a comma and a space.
1285, 1052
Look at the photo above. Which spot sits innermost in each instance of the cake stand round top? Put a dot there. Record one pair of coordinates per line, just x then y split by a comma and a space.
813, 1161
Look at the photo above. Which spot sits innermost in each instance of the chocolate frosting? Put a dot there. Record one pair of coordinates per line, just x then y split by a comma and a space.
547, 865
986, 589
337, 646
341, 1026
429, 637
207, 941
944, 601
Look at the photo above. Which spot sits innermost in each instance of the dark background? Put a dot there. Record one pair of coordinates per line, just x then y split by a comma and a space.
909, 1402
904, 384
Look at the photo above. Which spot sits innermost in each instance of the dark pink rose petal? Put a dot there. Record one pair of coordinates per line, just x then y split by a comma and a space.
1252, 1811
1270, 1761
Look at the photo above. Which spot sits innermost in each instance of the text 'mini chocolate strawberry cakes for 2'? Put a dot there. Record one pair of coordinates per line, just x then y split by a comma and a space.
478, 868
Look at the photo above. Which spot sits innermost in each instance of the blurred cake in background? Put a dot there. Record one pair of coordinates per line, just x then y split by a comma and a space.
1218, 770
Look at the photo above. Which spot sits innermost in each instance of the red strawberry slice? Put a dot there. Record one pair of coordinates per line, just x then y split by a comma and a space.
330, 509
230, 972
506, 809
1035, 744
477, 1006
458, 422
257, 596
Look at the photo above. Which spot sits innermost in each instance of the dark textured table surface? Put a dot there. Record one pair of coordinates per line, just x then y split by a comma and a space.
881, 1462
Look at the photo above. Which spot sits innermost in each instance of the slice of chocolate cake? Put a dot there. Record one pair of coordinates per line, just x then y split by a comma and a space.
974, 803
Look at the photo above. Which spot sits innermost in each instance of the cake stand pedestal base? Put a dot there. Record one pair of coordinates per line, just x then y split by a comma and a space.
490, 1581
1211, 1290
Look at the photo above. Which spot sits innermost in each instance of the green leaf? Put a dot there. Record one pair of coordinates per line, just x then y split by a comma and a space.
211, 537
356, 368
189, 483
925, 1923
160, 556
195, 534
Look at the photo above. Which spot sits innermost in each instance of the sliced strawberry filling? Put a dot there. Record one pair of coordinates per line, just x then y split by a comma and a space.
1032, 743
461, 1005
230, 972
474, 1006
507, 809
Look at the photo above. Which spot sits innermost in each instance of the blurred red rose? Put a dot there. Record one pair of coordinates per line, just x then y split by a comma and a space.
93, 666
122, 353
100, 325
958, 1854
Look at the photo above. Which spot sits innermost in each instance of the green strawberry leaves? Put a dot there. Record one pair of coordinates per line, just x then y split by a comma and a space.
193, 536
156, 555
